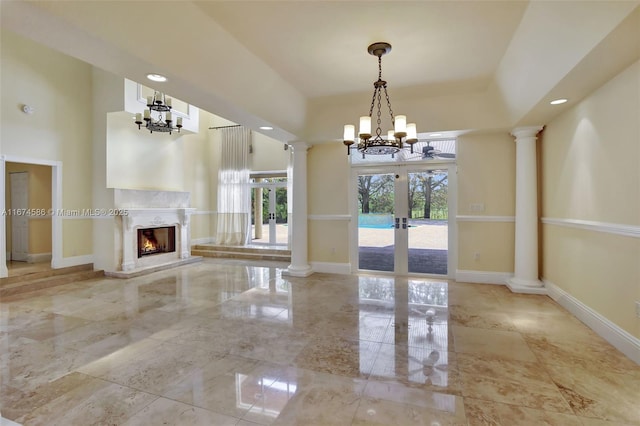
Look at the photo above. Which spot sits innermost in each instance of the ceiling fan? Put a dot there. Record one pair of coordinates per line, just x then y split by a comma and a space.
430, 152
428, 366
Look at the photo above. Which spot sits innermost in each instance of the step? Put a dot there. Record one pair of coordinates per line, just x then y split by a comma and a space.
283, 256
26, 286
44, 274
241, 249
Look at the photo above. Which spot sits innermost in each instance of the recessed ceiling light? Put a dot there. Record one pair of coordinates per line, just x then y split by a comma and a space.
558, 101
435, 134
266, 128
156, 77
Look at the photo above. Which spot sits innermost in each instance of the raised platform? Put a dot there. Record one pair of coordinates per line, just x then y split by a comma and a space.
45, 278
242, 252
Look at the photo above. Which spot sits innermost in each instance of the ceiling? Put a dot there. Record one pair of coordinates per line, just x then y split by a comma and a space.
302, 66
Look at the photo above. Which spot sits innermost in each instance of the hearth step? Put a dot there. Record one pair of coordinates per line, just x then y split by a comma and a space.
19, 284
236, 252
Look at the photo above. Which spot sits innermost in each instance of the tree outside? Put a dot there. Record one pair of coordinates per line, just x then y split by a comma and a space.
427, 194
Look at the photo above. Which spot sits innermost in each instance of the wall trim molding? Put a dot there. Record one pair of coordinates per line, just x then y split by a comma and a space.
38, 257
65, 262
479, 218
619, 338
606, 227
329, 217
483, 277
204, 212
331, 267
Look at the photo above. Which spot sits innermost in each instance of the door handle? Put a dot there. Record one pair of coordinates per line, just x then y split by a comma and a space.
404, 223
397, 223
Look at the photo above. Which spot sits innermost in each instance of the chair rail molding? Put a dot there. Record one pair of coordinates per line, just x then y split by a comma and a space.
606, 227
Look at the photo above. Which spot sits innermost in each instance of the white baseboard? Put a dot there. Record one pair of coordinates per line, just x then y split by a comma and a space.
619, 338
38, 257
331, 267
204, 240
72, 261
483, 277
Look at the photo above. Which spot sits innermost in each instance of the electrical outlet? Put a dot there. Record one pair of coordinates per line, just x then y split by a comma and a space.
476, 255
638, 309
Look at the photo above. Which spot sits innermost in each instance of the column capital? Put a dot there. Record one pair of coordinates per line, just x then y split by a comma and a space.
526, 132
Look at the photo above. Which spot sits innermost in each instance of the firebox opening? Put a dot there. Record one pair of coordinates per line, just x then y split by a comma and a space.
156, 240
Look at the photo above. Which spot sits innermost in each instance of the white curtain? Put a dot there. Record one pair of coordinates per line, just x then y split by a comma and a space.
234, 192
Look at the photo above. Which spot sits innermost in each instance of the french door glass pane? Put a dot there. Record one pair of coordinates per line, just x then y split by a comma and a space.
428, 222
376, 212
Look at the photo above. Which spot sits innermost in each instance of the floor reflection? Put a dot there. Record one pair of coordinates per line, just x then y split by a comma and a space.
230, 342
417, 339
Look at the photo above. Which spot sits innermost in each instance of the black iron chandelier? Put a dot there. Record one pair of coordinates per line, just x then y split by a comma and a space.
375, 143
162, 105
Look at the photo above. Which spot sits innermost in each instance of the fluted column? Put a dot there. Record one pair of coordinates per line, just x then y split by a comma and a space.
525, 279
299, 257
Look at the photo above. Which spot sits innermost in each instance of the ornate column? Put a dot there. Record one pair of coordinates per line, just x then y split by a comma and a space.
184, 216
299, 263
525, 279
128, 260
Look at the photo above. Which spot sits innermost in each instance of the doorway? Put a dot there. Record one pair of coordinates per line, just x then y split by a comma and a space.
403, 221
269, 212
44, 237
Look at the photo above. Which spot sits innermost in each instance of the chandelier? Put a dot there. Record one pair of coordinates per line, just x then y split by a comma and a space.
162, 105
375, 143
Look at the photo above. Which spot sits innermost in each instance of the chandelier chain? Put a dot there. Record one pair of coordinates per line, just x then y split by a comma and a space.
373, 102
378, 129
393, 119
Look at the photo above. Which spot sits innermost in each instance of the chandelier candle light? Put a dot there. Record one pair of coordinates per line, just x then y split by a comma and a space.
161, 104
374, 143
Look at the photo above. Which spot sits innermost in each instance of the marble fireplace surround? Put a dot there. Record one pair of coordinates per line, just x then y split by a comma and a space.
152, 209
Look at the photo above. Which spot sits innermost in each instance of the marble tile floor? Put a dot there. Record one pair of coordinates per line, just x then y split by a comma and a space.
228, 342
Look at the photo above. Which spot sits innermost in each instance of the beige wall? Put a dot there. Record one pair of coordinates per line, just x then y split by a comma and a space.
328, 241
268, 153
138, 159
199, 176
328, 174
591, 171
486, 175
58, 87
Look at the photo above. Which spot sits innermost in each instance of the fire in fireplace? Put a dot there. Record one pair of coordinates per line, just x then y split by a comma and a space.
156, 240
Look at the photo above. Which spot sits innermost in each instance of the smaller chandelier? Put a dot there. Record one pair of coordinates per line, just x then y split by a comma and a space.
162, 105
375, 143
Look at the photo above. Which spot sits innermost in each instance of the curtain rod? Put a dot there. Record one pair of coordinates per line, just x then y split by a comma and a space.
224, 127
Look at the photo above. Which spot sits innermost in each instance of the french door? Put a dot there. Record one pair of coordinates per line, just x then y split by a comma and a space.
403, 221
269, 201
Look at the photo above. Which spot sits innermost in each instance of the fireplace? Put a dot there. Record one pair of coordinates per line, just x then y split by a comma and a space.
155, 232
156, 240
